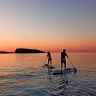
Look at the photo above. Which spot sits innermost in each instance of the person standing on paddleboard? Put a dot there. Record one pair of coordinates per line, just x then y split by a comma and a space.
49, 58
63, 59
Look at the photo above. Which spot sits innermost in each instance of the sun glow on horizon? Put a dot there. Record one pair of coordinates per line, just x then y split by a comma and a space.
35, 25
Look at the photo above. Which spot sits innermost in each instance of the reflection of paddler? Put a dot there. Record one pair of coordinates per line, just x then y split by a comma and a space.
64, 84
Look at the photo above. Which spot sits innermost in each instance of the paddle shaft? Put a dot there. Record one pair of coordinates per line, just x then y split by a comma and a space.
71, 63
44, 62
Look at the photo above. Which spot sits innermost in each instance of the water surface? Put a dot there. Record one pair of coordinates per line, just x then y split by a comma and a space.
23, 75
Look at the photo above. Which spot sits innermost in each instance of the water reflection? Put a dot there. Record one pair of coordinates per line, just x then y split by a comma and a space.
57, 85
22, 75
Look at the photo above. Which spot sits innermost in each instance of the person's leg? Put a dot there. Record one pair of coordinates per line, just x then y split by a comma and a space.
48, 61
64, 64
61, 65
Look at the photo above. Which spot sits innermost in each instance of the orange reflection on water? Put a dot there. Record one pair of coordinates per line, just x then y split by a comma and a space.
12, 63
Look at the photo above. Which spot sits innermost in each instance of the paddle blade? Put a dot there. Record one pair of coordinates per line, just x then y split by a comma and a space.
75, 70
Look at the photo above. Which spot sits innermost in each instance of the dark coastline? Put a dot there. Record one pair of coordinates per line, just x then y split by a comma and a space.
4, 52
23, 50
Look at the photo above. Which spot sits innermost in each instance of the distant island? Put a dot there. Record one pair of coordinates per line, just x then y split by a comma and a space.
26, 50
4, 52
23, 50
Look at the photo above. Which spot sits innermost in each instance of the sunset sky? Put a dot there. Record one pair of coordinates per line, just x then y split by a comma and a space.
48, 25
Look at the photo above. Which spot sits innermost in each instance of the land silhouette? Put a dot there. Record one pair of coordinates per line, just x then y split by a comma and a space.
23, 50
26, 50
4, 52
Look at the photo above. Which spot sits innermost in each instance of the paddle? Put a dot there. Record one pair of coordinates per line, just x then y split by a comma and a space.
44, 62
73, 66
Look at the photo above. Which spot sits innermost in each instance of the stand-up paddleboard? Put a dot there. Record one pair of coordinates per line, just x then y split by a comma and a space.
48, 66
68, 70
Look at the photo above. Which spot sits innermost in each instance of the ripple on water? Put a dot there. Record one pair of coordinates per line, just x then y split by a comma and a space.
29, 79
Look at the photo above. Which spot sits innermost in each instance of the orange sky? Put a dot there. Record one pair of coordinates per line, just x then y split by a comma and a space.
48, 26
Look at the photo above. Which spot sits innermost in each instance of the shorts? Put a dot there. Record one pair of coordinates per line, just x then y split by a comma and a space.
63, 61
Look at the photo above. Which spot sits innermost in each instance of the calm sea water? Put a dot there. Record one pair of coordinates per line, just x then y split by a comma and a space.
23, 75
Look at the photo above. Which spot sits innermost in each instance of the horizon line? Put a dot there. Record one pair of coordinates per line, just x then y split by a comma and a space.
56, 51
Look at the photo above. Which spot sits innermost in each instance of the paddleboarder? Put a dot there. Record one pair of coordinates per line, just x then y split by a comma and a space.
63, 59
49, 58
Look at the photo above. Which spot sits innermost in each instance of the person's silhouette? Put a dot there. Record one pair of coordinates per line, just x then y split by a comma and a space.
49, 58
63, 59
